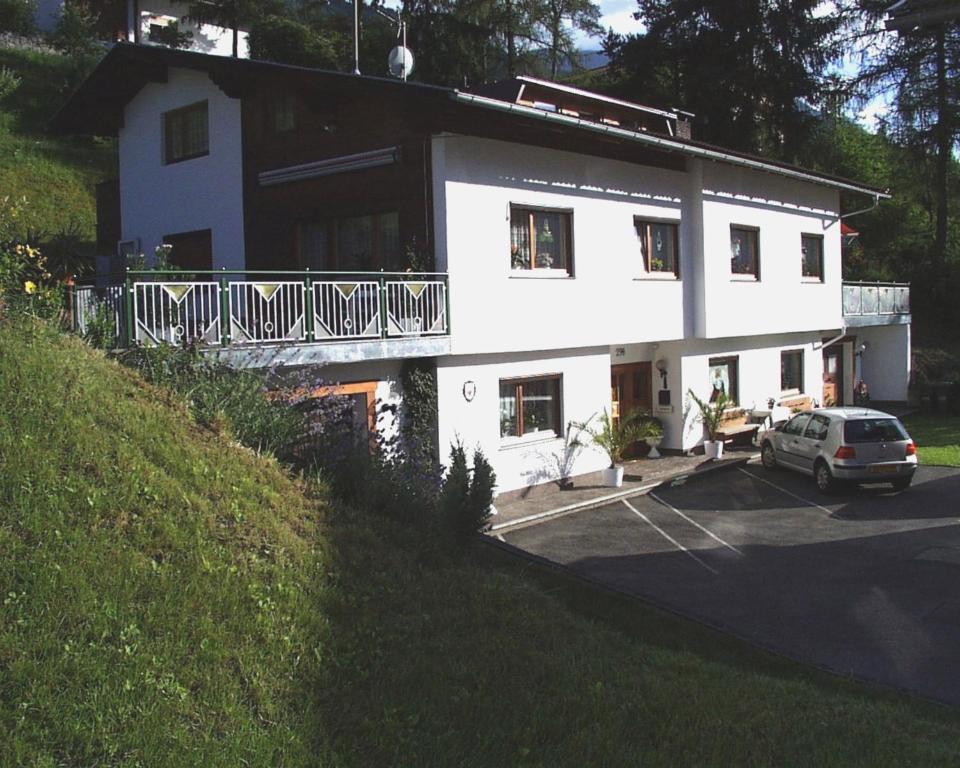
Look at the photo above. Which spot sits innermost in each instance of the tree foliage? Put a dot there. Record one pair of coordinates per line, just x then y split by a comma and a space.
741, 65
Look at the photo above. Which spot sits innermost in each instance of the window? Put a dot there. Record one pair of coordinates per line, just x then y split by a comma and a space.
284, 113
744, 252
540, 239
791, 370
797, 424
873, 431
351, 244
185, 133
723, 378
818, 427
658, 245
811, 250
530, 405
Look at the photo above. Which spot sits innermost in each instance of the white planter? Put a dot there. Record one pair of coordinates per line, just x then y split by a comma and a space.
713, 449
613, 477
653, 442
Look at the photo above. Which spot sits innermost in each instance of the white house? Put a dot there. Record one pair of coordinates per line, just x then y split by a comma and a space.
151, 22
552, 252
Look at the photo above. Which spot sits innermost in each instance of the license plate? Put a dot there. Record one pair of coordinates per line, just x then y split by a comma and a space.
882, 469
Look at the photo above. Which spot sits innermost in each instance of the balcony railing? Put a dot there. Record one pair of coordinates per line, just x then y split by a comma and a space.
865, 299
224, 308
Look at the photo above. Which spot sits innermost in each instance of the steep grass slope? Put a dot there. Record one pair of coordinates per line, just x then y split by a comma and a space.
155, 578
56, 174
170, 599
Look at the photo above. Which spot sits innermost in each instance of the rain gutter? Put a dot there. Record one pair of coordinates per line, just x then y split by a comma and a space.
659, 142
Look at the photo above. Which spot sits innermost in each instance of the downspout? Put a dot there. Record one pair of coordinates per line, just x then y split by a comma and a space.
834, 340
876, 202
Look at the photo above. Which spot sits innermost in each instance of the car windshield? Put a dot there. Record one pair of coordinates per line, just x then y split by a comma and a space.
873, 431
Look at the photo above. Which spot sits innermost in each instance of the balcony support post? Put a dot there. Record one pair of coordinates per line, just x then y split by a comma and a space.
128, 307
384, 320
224, 297
308, 307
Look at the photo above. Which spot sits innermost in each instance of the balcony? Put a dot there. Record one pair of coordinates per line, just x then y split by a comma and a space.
876, 303
261, 319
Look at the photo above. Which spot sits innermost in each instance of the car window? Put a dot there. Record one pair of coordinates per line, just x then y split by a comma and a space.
796, 425
873, 431
818, 427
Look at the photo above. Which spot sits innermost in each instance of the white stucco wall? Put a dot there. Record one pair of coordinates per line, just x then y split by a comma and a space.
520, 462
607, 301
202, 193
758, 377
207, 38
783, 209
885, 363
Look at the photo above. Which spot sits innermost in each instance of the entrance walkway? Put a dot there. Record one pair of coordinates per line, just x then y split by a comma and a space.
547, 501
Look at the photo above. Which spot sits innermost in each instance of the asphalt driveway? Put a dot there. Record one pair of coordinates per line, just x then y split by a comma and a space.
866, 583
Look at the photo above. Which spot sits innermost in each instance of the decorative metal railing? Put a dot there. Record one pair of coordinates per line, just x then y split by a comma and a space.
222, 308
866, 298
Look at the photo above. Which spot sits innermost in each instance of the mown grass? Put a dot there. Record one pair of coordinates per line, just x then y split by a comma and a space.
171, 599
57, 174
937, 436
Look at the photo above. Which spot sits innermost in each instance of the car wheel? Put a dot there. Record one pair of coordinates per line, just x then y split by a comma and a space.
902, 484
826, 483
768, 457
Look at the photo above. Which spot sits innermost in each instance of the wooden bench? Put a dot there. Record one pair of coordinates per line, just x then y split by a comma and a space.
735, 427
796, 403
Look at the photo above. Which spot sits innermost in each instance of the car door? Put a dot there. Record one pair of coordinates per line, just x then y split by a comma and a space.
810, 445
789, 445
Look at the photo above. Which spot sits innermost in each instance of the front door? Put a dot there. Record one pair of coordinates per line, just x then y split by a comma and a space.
631, 390
833, 376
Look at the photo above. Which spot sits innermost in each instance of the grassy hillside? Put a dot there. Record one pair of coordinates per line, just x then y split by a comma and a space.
57, 174
156, 580
171, 599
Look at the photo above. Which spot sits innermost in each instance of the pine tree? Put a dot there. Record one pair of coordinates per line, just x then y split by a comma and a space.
743, 66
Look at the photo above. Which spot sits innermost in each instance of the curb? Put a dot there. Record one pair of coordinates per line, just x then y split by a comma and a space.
680, 478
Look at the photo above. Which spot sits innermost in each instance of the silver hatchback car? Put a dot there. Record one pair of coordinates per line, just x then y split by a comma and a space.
838, 445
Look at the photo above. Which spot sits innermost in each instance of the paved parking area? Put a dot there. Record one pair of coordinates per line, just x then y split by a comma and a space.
866, 583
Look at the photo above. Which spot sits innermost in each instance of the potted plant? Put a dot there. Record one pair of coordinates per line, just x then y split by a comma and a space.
614, 437
711, 414
652, 433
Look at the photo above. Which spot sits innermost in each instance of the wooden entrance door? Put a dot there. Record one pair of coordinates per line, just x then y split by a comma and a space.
630, 390
833, 375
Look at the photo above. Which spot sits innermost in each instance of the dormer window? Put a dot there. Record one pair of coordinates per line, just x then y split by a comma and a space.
186, 133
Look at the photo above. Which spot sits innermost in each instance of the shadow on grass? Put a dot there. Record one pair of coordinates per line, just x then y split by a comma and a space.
491, 659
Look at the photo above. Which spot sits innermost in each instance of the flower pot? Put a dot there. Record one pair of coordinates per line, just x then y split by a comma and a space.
653, 442
713, 449
613, 476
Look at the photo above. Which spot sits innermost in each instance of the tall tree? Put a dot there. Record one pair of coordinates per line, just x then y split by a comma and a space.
559, 20
233, 14
745, 67
918, 71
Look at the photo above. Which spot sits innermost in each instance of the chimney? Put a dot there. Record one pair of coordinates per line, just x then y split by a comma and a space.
684, 128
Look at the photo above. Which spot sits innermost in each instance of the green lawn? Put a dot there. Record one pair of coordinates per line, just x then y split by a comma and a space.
173, 600
937, 436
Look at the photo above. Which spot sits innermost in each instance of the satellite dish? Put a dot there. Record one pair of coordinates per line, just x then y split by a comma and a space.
400, 62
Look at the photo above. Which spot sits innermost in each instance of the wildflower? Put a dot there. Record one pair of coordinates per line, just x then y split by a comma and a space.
30, 287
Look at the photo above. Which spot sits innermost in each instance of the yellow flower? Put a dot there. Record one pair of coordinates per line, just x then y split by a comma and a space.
30, 287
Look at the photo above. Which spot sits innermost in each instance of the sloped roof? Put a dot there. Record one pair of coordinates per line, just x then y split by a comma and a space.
96, 107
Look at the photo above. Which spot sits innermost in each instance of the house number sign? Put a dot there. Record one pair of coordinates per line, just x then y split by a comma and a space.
469, 390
